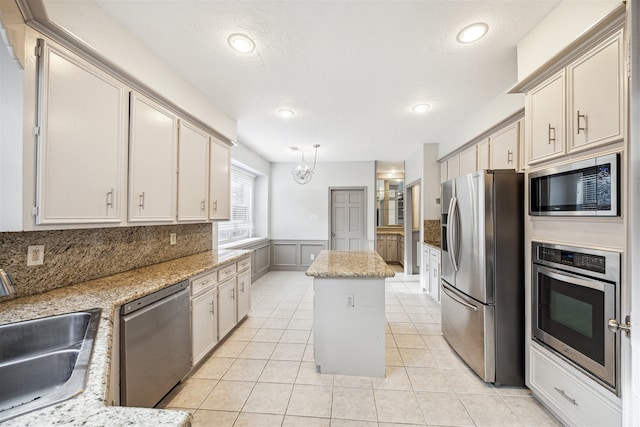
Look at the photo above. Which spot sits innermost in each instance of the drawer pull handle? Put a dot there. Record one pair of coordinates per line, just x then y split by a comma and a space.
554, 134
563, 394
584, 118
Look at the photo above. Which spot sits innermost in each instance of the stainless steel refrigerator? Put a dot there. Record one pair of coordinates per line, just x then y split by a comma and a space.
482, 275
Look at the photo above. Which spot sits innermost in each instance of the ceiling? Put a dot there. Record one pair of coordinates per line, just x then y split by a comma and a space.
350, 70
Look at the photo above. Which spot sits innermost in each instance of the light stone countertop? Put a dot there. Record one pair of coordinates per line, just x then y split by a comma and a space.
359, 264
108, 293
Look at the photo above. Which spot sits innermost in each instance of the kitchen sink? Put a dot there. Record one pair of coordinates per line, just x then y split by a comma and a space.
44, 361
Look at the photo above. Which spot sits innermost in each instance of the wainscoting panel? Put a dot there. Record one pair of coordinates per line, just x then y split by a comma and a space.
295, 255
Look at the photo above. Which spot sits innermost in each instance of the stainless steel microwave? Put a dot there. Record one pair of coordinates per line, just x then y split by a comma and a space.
588, 187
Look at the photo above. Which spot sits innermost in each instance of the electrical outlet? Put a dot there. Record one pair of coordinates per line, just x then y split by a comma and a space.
172, 238
35, 255
313, 256
350, 303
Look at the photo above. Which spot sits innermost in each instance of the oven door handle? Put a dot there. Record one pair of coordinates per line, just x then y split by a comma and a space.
459, 300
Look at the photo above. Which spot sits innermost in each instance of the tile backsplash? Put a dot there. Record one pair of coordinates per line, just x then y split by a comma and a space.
73, 256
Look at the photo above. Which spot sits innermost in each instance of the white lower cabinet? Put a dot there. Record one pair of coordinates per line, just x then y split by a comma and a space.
431, 271
226, 307
569, 396
244, 288
220, 298
204, 323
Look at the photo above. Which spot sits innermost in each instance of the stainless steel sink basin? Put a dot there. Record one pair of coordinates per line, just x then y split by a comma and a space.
44, 361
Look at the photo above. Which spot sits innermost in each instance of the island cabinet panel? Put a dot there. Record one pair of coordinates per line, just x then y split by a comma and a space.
545, 122
348, 324
596, 95
220, 181
81, 141
193, 168
153, 152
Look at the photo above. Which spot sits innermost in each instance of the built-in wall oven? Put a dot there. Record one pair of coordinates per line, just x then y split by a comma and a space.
575, 291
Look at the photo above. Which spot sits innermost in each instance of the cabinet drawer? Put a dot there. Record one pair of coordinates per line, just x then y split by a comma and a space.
204, 283
575, 401
243, 264
392, 237
226, 272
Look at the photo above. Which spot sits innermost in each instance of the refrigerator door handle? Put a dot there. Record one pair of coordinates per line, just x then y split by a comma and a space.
458, 300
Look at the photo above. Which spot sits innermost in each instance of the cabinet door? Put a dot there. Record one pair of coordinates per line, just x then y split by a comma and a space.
596, 95
545, 120
391, 250
434, 273
453, 167
483, 154
226, 307
203, 324
152, 162
468, 161
504, 147
244, 293
193, 166
220, 181
81, 143
381, 248
425, 277
443, 171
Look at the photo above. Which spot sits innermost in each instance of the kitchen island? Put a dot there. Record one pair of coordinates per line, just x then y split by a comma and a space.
348, 315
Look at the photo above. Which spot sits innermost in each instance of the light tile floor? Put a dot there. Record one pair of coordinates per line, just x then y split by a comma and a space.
264, 374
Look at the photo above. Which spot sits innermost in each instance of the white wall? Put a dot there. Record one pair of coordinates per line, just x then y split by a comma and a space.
89, 23
292, 204
500, 108
565, 23
431, 182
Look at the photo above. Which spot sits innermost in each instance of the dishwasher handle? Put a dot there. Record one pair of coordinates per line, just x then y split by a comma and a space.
146, 300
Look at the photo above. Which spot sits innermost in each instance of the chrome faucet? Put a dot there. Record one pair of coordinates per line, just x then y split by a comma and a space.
6, 284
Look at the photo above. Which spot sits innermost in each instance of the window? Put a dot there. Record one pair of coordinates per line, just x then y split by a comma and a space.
242, 202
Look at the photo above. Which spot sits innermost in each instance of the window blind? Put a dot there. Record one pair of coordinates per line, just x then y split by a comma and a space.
242, 205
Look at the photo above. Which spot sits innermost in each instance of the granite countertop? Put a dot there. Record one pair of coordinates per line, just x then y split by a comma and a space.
360, 264
108, 293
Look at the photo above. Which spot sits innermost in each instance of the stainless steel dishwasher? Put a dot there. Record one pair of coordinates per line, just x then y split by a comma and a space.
155, 345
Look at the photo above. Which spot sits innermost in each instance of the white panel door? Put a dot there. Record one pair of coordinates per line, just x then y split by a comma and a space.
82, 142
153, 162
504, 147
348, 220
193, 168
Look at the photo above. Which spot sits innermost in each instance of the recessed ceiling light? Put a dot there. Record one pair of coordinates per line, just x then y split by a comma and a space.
286, 113
420, 108
241, 42
472, 33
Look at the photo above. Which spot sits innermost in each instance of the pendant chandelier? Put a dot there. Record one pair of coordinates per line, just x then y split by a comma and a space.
302, 172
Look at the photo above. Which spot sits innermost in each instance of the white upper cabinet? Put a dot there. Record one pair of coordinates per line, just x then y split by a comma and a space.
152, 162
545, 122
596, 95
193, 167
468, 161
453, 167
81, 150
220, 180
443, 171
483, 154
504, 147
